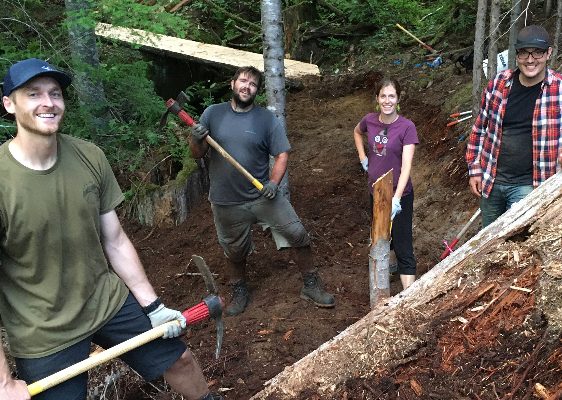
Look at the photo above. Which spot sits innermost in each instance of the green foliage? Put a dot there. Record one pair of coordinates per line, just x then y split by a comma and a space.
134, 14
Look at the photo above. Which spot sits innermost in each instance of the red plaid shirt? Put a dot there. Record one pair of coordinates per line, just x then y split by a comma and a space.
485, 139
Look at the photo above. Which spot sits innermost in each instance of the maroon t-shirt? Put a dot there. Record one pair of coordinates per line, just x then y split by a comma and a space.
386, 142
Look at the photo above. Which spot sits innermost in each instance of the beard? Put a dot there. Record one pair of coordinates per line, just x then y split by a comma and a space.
30, 124
241, 103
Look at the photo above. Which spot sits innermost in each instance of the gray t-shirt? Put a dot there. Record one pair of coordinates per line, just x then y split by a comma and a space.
250, 138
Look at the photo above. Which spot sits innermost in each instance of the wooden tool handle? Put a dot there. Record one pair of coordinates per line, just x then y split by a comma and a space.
234, 163
91, 362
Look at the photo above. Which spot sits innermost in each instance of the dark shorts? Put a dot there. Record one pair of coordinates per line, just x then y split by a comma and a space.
150, 360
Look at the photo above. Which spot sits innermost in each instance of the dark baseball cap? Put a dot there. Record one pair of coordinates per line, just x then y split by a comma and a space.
532, 36
23, 71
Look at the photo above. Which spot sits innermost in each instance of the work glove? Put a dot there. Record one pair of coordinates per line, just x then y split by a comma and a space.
199, 132
269, 190
365, 164
396, 207
162, 315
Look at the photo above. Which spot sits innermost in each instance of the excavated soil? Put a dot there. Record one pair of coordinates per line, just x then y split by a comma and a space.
502, 354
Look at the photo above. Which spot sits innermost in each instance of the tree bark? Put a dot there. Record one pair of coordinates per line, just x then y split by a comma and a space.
274, 68
85, 60
493, 47
478, 58
392, 333
556, 34
379, 254
513, 30
547, 8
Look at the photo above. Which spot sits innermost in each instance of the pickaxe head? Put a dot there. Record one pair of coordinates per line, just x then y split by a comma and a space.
175, 106
214, 302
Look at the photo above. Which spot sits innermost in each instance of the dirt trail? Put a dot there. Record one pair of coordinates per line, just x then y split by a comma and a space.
329, 192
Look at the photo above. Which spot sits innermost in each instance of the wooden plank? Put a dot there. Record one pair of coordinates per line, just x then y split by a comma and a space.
379, 253
191, 50
386, 334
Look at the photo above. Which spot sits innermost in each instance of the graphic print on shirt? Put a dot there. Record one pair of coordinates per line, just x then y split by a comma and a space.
380, 141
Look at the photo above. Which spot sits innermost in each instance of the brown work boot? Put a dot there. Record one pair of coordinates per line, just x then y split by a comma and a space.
240, 299
313, 291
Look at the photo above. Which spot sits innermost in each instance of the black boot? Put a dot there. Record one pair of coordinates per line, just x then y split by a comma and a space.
313, 291
240, 299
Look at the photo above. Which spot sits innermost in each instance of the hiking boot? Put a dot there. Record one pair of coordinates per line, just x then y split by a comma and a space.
240, 299
313, 291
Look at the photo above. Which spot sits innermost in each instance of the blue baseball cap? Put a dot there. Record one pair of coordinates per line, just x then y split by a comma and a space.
23, 71
532, 36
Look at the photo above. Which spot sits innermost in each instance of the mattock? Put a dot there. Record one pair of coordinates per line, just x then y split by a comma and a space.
211, 307
176, 107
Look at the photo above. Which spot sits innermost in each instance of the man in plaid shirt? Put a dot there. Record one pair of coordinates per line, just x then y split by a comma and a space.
516, 140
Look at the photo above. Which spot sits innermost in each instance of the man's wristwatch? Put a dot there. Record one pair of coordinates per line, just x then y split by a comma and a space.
152, 306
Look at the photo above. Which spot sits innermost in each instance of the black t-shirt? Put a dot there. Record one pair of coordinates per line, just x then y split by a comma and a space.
515, 161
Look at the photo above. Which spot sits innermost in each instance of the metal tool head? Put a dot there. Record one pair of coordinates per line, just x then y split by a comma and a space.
214, 302
206, 274
173, 106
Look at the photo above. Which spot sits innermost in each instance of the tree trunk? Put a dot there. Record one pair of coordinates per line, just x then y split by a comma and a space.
513, 30
394, 333
493, 47
479, 34
85, 60
556, 35
547, 8
274, 67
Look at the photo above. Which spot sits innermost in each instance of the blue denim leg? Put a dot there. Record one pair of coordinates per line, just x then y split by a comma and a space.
501, 198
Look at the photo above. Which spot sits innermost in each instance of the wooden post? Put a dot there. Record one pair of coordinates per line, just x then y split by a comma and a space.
379, 279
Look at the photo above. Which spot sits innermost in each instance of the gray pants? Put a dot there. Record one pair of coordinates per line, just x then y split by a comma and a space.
234, 223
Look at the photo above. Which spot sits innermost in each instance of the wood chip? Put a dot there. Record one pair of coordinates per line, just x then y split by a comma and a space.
522, 289
265, 332
477, 308
516, 256
541, 391
380, 328
416, 387
288, 334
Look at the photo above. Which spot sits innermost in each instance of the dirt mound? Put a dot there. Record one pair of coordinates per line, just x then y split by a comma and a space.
329, 192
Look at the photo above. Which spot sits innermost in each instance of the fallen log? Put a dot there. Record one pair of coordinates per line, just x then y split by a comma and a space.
392, 333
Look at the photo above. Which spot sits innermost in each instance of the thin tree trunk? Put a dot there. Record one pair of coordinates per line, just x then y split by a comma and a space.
479, 34
513, 30
274, 66
494, 29
85, 60
556, 34
547, 8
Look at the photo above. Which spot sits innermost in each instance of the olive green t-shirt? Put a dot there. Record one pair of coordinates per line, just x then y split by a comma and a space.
56, 287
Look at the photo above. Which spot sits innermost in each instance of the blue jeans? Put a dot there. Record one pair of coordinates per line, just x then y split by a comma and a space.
501, 198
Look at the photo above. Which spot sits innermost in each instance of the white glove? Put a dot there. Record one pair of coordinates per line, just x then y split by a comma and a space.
396, 207
162, 315
365, 164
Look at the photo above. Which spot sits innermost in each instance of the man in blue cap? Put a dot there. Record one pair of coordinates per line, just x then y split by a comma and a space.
59, 234
516, 140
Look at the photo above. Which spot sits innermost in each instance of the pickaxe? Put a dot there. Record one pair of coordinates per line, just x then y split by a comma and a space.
210, 307
175, 106
449, 247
